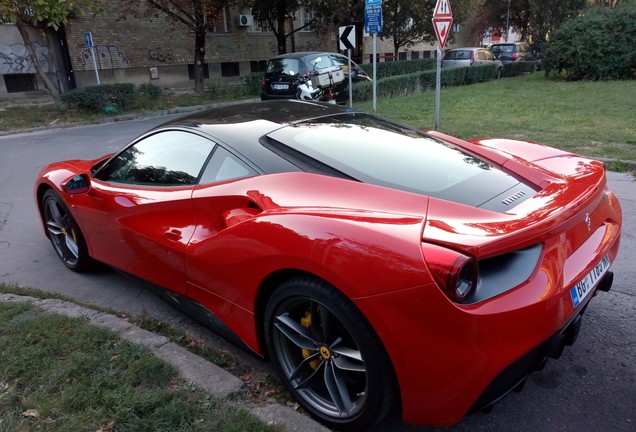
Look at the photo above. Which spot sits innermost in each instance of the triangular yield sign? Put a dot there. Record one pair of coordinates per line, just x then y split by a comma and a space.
442, 29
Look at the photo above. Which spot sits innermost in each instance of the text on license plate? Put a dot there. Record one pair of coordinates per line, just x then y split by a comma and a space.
280, 86
579, 291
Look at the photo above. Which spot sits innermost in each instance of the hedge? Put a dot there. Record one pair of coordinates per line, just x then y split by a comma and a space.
105, 96
402, 85
400, 67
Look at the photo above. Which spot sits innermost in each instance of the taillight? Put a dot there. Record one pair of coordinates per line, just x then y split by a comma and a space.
515, 56
454, 272
263, 86
472, 57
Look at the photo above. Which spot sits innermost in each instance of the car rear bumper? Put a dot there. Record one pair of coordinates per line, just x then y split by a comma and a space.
515, 375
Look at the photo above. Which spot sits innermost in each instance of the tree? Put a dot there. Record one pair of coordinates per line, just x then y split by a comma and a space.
407, 22
193, 14
275, 14
43, 14
532, 19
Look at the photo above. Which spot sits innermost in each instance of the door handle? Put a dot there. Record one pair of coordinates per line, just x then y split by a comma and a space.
173, 234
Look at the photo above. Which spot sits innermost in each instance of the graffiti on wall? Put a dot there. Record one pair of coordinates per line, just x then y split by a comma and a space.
164, 55
108, 57
15, 58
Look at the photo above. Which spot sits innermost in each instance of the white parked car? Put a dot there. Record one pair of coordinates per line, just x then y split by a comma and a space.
462, 57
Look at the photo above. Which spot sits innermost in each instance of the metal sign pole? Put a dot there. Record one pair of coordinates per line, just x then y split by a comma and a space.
375, 59
94, 54
438, 84
350, 73
88, 38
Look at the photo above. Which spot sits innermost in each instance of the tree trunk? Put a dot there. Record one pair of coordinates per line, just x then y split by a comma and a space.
281, 34
50, 87
199, 58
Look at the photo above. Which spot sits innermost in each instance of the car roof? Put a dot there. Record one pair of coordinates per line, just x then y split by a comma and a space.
466, 48
240, 126
297, 55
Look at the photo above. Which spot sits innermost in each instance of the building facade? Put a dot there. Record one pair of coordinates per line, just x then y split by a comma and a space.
113, 49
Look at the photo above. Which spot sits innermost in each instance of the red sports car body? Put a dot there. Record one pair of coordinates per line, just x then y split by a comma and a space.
378, 267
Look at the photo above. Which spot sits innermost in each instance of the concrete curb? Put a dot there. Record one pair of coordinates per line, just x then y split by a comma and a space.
194, 369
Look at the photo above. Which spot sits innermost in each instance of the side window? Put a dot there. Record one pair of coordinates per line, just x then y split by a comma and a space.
225, 166
167, 158
489, 56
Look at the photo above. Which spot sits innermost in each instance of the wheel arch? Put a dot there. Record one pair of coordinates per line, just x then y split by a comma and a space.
41, 189
275, 280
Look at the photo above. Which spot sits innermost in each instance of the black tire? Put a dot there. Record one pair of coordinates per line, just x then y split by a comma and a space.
64, 233
328, 355
499, 73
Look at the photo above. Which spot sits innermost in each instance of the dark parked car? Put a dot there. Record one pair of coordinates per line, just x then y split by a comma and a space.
282, 73
509, 52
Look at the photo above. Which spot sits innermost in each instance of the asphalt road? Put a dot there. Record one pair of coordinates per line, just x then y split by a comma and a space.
591, 388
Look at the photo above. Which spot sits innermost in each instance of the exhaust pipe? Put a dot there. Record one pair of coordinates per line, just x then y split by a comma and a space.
606, 283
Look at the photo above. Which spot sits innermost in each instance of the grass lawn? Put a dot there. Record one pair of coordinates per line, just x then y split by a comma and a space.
593, 118
64, 374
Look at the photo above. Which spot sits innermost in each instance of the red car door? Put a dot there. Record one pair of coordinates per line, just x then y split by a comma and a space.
138, 214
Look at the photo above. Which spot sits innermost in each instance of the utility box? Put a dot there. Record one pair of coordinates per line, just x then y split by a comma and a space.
327, 77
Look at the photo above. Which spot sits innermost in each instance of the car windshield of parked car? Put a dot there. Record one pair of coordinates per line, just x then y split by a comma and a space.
168, 158
374, 151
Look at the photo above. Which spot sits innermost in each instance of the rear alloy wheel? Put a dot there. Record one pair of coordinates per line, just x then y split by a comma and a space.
66, 237
328, 356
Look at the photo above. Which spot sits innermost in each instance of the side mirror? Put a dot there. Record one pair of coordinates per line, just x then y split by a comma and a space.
78, 184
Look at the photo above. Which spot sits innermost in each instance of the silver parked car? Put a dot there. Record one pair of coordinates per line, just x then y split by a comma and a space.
462, 57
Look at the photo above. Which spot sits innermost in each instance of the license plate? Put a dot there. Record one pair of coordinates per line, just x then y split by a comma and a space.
280, 86
582, 289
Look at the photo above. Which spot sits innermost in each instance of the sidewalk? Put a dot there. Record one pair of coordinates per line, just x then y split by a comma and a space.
211, 378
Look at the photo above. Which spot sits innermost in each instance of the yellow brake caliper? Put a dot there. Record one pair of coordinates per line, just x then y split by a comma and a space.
305, 321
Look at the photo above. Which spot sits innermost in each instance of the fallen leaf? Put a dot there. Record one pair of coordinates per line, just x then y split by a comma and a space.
31, 413
109, 427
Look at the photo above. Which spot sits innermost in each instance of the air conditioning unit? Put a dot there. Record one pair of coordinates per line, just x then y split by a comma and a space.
244, 20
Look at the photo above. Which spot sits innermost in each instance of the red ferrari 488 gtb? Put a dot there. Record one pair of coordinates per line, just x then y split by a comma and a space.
378, 267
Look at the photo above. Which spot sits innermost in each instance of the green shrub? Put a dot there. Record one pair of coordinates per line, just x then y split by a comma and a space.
599, 45
150, 90
518, 68
253, 83
99, 97
400, 67
402, 85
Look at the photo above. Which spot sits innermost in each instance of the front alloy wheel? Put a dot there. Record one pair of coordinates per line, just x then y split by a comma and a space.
64, 234
328, 355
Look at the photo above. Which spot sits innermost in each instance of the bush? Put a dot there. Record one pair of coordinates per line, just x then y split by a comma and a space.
599, 45
253, 83
99, 97
402, 85
401, 67
518, 68
150, 90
